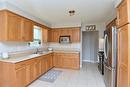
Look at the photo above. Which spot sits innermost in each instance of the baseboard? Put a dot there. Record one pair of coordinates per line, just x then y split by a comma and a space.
89, 61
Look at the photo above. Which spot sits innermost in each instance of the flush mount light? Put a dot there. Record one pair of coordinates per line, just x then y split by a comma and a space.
72, 12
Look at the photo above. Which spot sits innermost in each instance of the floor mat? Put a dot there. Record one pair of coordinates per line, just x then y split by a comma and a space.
50, 76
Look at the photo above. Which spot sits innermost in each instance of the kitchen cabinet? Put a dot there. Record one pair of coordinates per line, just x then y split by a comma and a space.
50, 35
57, 59
30, 73
25, 72
76, 35
15, 28
55, 33
27, 30
123, 13
124, 57
37, 68
70, 61
43, 65
123, 67
21, 74
66, 60
45, 35
49, 61
21, 77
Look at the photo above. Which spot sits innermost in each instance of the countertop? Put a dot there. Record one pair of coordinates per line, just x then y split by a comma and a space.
30, 56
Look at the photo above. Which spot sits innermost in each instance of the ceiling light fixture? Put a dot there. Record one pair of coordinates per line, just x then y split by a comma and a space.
72, 12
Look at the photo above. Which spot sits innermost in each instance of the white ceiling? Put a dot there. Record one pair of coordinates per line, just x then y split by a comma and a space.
56, 11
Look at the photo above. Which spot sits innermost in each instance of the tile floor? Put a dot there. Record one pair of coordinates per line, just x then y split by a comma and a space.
88, 76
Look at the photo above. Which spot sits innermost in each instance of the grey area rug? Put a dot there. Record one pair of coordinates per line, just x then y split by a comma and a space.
50, 76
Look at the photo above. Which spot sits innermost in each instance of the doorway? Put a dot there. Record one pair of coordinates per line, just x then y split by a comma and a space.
90, 46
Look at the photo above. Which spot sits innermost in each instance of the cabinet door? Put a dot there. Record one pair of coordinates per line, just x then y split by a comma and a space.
43, 65
67, 62
55, 35
123, 51
57, 60
71, 61
50, 35
76, 35
45, 35
37, 69
21, 77
14, 25
30, 73
50, 61
123, 13
27, 30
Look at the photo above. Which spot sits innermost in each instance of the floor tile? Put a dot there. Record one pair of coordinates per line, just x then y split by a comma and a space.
88, 76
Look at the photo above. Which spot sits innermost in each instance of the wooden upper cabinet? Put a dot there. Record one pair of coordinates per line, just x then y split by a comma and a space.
76, 35
50, 35
14, 24
123, 13
27, 30
14, 27
56, 34
45, 35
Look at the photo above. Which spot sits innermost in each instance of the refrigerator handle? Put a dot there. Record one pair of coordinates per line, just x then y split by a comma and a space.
105, 45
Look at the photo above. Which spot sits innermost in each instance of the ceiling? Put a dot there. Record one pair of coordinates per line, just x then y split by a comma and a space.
56, 11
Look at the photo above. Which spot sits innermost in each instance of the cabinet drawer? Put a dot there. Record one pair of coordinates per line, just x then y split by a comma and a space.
20, 65
71, 55
28, 62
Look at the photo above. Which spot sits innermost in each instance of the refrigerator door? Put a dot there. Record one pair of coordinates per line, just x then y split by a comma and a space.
110, 62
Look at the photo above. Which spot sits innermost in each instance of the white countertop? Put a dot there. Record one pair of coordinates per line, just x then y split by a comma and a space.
23, 58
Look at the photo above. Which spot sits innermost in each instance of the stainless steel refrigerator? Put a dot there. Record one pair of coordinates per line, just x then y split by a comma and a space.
110, 57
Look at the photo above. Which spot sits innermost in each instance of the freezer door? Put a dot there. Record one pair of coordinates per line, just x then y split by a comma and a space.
109, 76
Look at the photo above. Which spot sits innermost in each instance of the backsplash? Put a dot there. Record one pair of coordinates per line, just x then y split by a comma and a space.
58, 46
13, 47
17, 47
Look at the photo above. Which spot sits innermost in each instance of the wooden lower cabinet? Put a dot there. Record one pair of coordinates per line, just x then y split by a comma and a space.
21, 74
57, 60
43, 65
29, 73
21, 77
66, 60
37, 69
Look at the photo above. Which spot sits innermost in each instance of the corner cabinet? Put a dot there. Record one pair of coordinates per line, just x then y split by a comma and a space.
14, 27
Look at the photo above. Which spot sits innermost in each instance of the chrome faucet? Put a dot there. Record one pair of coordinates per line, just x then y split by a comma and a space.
37, 51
